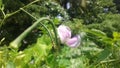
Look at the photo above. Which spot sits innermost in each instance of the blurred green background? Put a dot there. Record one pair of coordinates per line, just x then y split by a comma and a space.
96, 21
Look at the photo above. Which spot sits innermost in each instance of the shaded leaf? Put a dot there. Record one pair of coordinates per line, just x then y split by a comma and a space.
103, 55
0, 3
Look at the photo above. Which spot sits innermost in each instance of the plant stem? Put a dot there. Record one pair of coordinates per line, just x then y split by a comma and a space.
3, 13
40, 23
16, 43
22, 7
13, 13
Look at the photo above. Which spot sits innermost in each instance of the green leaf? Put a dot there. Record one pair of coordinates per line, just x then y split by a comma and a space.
56, 20
10, 64
116, 35
97, 32
0, 3
103, 55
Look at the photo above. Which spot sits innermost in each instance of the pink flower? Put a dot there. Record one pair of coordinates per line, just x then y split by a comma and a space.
73, 42
64, 33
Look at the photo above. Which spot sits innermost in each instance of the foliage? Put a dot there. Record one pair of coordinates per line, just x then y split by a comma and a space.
89, 10
109, 25
28, 36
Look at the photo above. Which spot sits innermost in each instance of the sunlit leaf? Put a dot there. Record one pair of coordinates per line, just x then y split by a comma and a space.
116, 35
97, 32
10, 64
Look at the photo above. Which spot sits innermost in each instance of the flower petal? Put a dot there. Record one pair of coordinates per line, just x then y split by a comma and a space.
64, 33
73, 42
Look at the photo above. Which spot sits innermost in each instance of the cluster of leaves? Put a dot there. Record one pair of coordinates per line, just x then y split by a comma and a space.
89, 10
19, 20
100, 42
109, 25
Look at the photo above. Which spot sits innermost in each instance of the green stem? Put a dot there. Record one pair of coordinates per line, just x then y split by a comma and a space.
2, 40
55, 31
3, 13
13, 13
22, 7
16, 43
108, 61
40, 23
